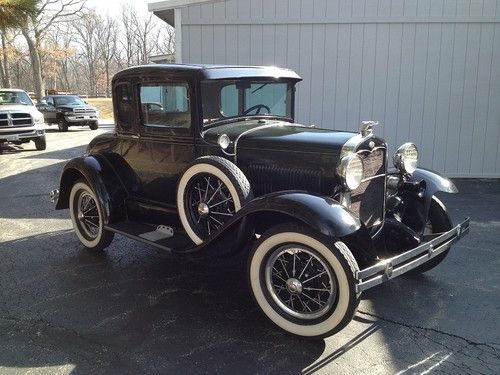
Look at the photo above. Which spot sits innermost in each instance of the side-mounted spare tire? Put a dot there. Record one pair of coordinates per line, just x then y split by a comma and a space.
209, 193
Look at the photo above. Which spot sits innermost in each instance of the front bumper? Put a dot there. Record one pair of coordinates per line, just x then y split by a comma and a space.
81, 118
393, 267
17, 134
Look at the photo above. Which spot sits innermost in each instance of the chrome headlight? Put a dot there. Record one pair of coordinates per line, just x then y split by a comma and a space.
224, 141
68, 113
406, 158
38, 118
350, 171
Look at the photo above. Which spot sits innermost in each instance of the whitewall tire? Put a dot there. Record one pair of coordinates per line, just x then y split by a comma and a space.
87, 217
302, 283
209, 193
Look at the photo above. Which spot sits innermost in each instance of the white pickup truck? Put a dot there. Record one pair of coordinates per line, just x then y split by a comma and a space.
20, 121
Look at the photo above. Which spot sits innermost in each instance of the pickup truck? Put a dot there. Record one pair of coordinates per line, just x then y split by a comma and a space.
68, 110
20, 121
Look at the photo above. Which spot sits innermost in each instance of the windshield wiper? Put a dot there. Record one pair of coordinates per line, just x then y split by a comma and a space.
260, 88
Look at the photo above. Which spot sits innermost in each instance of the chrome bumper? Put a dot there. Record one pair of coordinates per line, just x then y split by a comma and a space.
393, 267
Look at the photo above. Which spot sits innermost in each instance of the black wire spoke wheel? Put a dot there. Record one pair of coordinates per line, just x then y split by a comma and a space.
300, 282
209, 204
88, 215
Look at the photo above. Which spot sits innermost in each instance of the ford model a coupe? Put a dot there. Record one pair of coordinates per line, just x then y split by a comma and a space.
208, 159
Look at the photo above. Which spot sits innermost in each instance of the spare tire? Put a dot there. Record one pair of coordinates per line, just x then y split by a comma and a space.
209, 193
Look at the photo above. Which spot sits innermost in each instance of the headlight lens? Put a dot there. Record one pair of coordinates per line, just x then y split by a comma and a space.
38, 118
351, 171
224, 141
68, 113
406, 158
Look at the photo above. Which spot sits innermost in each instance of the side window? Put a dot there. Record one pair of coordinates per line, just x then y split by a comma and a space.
124, 107
165, 104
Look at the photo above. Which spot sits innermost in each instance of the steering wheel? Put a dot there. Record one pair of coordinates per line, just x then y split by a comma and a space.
257, 109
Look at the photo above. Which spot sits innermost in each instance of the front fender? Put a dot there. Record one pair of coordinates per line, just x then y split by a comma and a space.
434, 181
322, 214
417, 208
103, 180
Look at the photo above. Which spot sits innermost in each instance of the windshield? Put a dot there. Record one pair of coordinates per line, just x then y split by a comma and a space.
68, 100
14, 98
227, 99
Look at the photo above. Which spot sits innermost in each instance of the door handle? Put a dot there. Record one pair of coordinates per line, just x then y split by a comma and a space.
135, 136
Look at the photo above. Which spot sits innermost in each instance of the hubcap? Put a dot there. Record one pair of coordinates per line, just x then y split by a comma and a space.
209, 204
203, 210
300, 282
294, 286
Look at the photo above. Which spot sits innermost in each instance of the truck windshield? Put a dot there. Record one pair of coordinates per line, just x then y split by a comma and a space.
68, 100
226, 99
14, 98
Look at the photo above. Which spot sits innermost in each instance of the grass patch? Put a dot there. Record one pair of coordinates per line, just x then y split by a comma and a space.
103, 105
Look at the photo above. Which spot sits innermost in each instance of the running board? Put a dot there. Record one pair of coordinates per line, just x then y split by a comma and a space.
159, 236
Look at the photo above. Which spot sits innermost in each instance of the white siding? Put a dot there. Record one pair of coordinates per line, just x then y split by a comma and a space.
428, 70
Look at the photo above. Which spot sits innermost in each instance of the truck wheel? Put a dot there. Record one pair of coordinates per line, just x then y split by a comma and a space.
209, 193
94, 125
40, 143
62, 125
438, 221
87, 217
303, 283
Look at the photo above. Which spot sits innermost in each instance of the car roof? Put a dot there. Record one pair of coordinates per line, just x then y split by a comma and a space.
208, 72
15, 90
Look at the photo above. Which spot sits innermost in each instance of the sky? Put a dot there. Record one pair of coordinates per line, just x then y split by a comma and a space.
110, 6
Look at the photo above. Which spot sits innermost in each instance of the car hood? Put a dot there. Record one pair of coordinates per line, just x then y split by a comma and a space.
71, 107
279, 136
19, 108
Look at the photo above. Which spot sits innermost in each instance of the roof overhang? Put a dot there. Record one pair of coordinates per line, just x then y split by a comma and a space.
165, 9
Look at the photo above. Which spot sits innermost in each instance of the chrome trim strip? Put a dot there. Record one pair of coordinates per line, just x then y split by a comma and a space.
393, 267
373, 177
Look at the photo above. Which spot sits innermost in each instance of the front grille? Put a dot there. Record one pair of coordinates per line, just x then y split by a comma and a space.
266, 179
82, 111
367, 201
15, 119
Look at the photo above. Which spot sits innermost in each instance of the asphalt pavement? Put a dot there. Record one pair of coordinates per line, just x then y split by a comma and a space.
135, 309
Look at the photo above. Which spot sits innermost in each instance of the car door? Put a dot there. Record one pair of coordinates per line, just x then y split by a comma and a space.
49, 110
164, 143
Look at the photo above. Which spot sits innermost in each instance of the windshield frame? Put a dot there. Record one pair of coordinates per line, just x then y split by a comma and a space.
238, 118
29, 104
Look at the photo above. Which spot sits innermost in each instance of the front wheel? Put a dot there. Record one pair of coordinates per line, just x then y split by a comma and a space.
94, 125
303, 283
62, 125
40, 143
438, 221
88, 218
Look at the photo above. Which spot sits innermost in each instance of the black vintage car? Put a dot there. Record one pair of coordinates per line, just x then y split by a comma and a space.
217, 165
68, 110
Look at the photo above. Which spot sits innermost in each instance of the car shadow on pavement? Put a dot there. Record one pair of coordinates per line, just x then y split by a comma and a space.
134, 309
10, 148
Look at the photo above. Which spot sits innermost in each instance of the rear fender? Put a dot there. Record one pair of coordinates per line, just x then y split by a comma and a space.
103, 180
322, 214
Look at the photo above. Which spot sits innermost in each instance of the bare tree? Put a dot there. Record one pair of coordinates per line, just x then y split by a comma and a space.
49, 12
108, 43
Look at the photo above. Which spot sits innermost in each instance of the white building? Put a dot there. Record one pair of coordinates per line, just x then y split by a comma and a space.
428, 70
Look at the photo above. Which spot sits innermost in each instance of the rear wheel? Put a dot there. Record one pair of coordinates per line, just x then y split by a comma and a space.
302, 282
87, 217
438, 221
40, 143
